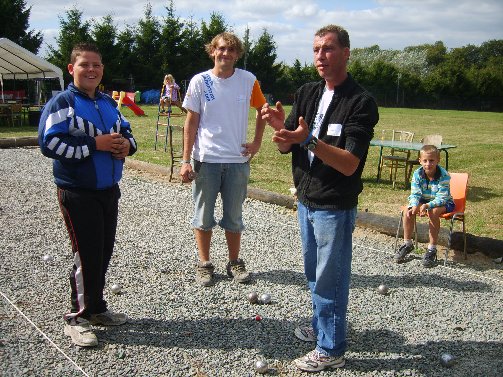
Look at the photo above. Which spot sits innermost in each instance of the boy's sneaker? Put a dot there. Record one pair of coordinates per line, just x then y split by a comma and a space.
237, 270
108, 318
204, 273
430, 258
314, 361
80, 331
305, 334
402, 252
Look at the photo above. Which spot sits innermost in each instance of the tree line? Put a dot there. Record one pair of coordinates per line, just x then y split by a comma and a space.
138, 56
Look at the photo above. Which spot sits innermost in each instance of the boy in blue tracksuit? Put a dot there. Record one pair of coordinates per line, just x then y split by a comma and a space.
88, 138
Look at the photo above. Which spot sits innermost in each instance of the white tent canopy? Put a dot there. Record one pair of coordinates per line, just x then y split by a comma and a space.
18, 63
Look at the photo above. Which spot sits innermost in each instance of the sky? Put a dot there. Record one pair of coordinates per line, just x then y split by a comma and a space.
391, 24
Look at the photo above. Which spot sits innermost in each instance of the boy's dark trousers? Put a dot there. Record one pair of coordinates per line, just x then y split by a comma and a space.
91, 220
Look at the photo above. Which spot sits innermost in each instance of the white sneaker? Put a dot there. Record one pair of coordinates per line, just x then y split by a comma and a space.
315, 361
305, 333
80, 331
108, 318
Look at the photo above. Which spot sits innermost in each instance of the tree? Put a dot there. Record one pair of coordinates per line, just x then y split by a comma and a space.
300, 74
411, 59
488, 81
466, 56
291, 78
436, 53
490, 49
105, 36
14, 16
246, 46
171, 48
125, 57
146, 66
72, 30
261, 61
216, 26
359, 71
193, 52
449, 83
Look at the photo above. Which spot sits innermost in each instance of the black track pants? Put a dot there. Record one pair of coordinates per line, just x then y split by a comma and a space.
91, 220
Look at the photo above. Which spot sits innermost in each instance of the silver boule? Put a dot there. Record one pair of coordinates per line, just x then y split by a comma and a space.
253, 297
261, 366
116, 288
447, 360
47, 258
265, 298
383, 289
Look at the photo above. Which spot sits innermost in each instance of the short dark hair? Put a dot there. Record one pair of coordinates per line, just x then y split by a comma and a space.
81, 47
342, 34
230, 39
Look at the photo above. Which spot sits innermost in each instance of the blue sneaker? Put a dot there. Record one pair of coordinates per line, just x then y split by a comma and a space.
430, 258
402, 252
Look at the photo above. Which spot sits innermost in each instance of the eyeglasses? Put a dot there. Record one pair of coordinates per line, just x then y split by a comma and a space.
224, 48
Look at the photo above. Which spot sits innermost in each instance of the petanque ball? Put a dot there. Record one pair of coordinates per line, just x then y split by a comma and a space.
265, 298
253, 297
116, 288
47, 258
261, 366
447, 360
383, 289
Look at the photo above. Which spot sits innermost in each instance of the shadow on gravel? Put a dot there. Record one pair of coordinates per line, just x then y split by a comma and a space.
281, 277
275, 339
270, 337
419, 280
471, 358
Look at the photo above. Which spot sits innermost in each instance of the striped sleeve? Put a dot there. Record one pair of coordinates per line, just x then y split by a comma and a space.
415, 189
60, 136
443, 193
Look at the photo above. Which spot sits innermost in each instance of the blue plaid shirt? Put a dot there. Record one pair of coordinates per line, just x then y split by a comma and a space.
436, 193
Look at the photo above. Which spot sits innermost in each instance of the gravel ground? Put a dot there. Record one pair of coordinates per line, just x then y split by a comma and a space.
180, 329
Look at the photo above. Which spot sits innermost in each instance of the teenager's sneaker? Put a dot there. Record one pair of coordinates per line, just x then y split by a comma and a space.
402, 252
314, 361
79, 330
430, 258
204, 273
305, 333
236, 269
108, 318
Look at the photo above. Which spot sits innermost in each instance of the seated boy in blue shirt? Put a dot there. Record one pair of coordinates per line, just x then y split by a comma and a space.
430, 195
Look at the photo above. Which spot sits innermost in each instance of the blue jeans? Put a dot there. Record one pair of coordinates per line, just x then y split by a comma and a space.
327, 250
231, 181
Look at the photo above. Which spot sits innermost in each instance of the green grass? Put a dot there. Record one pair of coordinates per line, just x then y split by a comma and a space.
478, 135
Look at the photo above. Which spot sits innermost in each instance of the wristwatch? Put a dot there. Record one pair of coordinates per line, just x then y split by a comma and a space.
311, 145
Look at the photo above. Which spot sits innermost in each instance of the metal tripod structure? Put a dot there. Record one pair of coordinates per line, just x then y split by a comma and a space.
164, 120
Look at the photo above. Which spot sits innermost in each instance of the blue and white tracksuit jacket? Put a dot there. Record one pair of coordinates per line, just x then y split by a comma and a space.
67, 129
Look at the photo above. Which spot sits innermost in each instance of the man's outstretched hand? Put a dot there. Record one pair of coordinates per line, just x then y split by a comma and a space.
292, 137
275, 117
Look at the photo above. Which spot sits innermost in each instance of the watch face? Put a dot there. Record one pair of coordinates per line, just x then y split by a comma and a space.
312, 144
